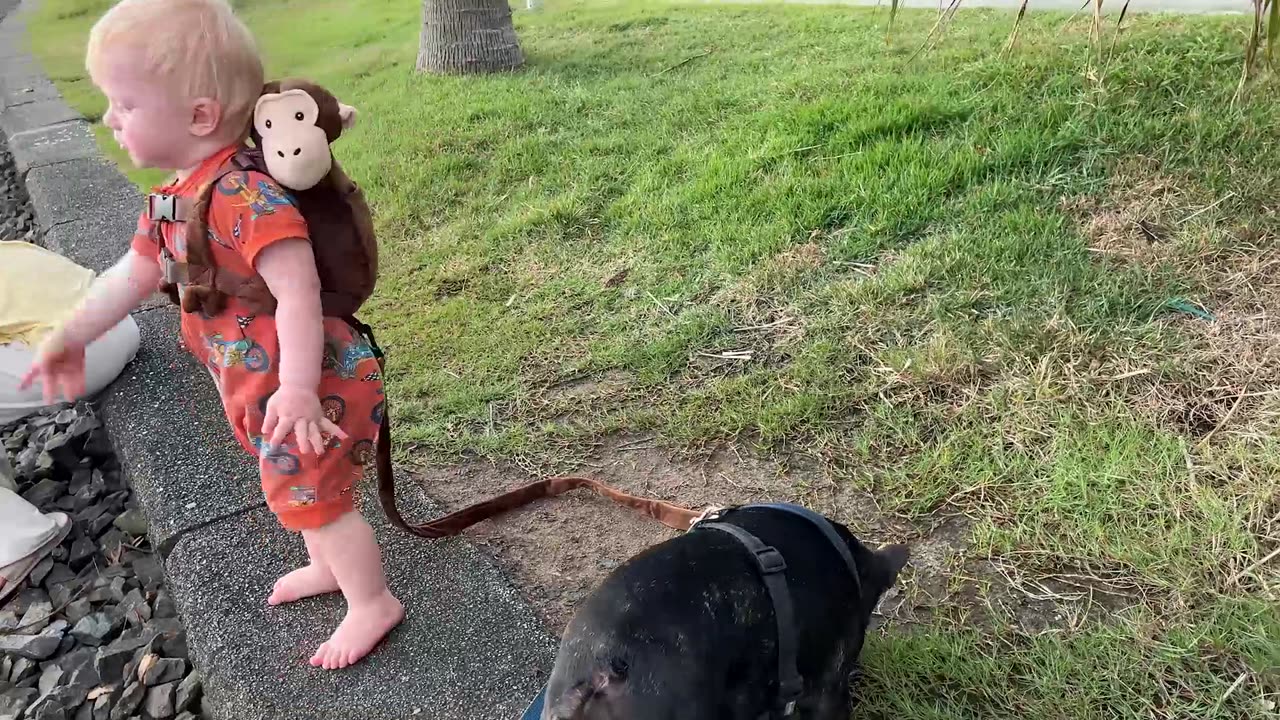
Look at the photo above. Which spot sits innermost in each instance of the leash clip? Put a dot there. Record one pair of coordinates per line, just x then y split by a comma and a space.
711, 512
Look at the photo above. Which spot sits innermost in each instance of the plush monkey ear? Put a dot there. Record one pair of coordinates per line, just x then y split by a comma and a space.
348, 115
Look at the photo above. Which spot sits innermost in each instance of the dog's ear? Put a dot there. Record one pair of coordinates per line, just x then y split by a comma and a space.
893, 558
603, 684
570, 705
886, 564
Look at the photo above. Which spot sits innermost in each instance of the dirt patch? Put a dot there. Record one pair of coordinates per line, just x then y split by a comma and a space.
1142, 216
609, 384
557, 550
803, 257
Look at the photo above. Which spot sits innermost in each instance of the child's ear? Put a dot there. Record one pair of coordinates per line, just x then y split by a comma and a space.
206, 115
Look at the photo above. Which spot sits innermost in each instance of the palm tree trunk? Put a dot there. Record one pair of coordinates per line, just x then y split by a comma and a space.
467, 36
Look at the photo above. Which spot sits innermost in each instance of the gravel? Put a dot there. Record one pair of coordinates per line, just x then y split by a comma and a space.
93, 634
17, 219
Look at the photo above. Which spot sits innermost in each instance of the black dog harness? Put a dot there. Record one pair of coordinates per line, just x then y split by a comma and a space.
772, 566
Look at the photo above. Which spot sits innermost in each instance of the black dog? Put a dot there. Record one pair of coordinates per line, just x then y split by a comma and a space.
687, 629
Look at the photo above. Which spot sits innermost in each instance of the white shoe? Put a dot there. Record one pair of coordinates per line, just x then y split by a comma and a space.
12, 575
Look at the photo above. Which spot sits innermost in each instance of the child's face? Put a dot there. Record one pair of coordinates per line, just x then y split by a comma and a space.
149, 120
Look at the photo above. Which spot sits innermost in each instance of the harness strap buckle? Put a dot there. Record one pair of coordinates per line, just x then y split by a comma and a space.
174, 271
770, 560
827, 529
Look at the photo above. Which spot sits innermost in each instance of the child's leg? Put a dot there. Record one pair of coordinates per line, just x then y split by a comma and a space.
314, 495
315, 578
351, 553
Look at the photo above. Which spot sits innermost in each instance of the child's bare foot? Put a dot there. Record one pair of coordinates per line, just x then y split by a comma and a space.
303, 583
363, 627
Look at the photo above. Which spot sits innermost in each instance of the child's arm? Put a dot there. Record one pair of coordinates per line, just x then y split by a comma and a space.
115, 294
289, 269
59, 361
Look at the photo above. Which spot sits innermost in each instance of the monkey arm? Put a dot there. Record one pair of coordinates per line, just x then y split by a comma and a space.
289, 269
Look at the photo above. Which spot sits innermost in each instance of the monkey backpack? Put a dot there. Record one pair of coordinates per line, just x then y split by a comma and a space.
294, 123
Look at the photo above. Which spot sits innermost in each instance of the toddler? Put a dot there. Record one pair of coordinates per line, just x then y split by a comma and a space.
181, 78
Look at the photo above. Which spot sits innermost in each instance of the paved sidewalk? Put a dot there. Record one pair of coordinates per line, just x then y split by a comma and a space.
470, 648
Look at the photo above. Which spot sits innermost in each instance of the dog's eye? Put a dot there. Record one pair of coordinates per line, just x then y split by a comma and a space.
268, 124
298, 116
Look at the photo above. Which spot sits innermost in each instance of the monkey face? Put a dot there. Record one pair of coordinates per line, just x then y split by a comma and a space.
295, 147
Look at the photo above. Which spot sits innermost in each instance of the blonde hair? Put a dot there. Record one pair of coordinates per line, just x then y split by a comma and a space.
199, 46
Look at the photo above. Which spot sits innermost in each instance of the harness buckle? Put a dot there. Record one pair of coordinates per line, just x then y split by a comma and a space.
162, 207
770, 560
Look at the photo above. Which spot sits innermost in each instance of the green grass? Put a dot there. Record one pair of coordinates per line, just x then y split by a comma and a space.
894, 243
1133, 668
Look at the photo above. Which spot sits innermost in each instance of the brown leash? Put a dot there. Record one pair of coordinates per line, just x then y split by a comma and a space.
672, 516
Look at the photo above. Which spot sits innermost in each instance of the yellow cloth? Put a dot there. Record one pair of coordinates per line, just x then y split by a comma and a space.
38, 290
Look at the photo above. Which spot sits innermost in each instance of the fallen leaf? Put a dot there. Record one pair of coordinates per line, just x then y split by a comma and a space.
617, 279
147, 661
1153, 233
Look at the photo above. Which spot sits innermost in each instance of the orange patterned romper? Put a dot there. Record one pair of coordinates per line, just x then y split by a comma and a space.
248, 212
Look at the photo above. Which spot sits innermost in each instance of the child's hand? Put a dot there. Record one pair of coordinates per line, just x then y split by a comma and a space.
59, 365
297, 410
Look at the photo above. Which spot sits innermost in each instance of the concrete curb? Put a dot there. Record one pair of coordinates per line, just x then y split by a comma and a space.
470, 647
